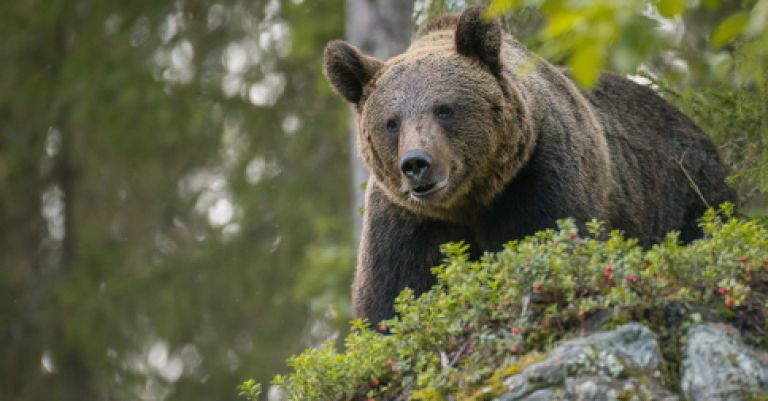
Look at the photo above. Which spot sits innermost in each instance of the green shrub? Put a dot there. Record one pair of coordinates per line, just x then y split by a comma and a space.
737, 120
486, 319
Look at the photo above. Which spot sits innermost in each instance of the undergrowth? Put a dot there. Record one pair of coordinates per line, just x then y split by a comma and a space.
488, 319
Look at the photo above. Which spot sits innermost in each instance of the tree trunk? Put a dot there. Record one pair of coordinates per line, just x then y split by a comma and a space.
381, 29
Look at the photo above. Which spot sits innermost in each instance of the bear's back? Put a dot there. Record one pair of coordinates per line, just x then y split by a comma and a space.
668, 170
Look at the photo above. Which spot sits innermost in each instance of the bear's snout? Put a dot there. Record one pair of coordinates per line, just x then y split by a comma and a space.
416, 165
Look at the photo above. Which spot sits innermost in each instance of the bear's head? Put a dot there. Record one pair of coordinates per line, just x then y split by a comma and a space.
439, 125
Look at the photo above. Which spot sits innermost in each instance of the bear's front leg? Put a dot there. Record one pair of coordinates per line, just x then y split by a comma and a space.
397, 250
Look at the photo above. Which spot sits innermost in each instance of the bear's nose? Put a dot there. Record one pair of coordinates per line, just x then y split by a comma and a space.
415, 165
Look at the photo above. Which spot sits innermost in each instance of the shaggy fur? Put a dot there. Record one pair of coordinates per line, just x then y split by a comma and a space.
516, 145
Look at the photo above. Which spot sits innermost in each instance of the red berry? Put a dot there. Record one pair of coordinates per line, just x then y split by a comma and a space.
722, 290
383, 327
516, 331
744, 259
370, 399
390, 362
537, 288
375, 382
470, 350
632, 278
729, 302
574, 235
608, 272
516, 349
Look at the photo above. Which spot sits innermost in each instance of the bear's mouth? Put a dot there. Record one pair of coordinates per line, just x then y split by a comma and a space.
426, 190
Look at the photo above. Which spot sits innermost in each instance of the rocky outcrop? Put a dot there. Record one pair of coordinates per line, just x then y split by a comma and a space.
626, 364
609, 365
718, 366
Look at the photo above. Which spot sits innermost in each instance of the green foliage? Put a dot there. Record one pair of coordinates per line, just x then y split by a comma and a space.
124, 127
487, 319
737, 120
729, 29
592, 35
325, 372
250, 389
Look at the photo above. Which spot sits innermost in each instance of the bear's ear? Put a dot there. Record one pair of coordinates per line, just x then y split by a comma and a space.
348, 70
479, 38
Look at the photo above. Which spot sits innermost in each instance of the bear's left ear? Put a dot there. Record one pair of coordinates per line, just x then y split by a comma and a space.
479, 38
348, 69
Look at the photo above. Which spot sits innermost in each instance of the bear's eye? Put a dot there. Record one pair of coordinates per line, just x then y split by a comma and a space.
443, 112
393, 125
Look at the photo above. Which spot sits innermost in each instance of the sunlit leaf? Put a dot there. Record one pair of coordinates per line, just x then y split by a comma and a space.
498, 7
758, 19
711, 5
729, 29
670, 8
586, 63
561, 23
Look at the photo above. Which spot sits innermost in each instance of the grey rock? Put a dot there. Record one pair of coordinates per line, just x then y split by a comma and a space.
620, 363
718, 366
544, 394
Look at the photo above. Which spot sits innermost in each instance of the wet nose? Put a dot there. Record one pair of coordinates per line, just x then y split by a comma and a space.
415, 165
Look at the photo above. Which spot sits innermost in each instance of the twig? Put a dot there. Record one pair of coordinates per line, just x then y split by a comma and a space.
690, 179
405, 394
458, 354
526, 300
444, 362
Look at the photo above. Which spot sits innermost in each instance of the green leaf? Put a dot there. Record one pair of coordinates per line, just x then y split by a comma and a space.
729, 29
498, 7
758, 19
670, 8
711, 5
560, 24
586, 63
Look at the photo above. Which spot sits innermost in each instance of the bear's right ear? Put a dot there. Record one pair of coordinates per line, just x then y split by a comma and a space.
348, 70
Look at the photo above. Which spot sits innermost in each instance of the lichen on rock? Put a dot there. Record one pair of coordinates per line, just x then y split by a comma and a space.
718, 366
609, 365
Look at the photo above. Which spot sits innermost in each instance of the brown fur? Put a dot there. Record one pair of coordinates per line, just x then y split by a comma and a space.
522, 148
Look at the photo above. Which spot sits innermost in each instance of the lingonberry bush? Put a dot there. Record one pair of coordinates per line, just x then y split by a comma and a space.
487, 319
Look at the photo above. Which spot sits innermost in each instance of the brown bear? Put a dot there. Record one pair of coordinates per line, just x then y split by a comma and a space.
469, 136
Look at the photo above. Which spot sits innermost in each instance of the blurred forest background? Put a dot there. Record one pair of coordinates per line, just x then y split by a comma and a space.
178, 186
